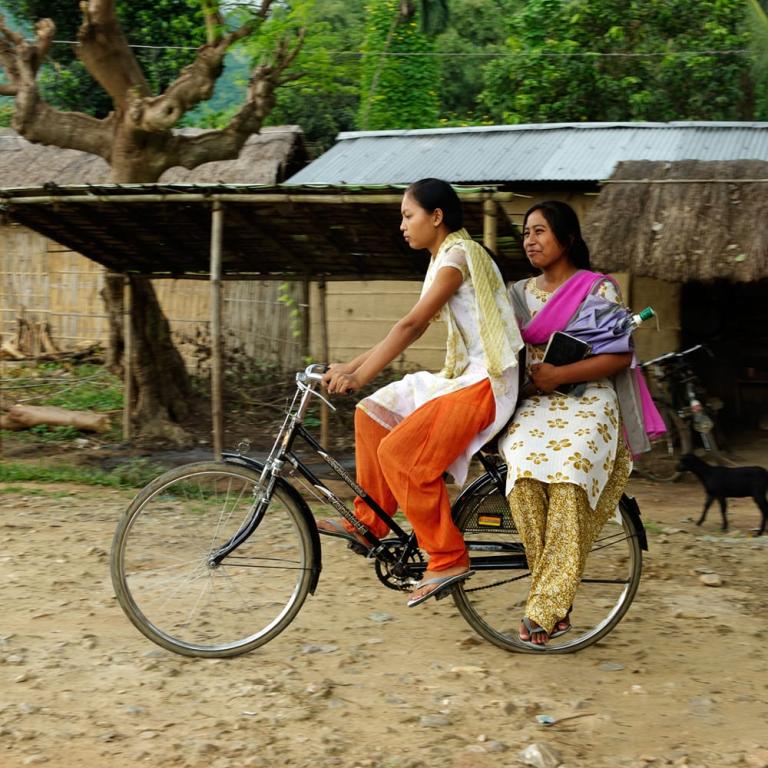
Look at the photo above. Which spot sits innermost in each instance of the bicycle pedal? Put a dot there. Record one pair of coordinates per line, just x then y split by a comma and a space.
358, 549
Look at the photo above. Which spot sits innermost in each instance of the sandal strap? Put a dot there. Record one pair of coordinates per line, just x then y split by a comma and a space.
531, 629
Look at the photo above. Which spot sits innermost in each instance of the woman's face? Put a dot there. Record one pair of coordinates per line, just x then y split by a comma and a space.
420, 228
541, 246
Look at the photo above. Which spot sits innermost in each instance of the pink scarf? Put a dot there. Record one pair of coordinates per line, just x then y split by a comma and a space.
561, 307
555, 316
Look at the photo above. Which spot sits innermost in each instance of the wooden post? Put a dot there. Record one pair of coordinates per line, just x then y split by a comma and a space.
324, 349
305, 317
490, 223
217, 409
127, 359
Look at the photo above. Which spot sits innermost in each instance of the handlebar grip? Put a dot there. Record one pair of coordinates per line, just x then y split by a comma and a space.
316, 371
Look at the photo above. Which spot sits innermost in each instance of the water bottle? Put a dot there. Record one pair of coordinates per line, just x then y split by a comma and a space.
631, 322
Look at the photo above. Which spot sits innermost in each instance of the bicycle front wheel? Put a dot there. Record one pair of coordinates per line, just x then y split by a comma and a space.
493, 600
177, 598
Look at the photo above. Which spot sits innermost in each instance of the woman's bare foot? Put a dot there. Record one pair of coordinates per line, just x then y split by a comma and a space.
531, 632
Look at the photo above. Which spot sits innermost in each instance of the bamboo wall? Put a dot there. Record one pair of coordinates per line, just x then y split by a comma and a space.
361, 313
43, 282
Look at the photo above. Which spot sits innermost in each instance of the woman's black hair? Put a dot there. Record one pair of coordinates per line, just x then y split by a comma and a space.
566, 228
431, 194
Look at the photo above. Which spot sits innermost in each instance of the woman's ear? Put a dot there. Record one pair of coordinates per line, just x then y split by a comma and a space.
437, 217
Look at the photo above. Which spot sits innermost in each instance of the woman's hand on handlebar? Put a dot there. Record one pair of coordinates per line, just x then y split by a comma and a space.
340, 379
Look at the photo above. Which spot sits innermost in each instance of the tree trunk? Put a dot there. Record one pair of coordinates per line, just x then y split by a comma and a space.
163, 388
160, 380
112, 295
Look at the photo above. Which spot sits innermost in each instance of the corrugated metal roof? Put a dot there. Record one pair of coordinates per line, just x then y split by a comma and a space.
585, 152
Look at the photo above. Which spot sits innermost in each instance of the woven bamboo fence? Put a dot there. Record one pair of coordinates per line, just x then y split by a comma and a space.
43, 283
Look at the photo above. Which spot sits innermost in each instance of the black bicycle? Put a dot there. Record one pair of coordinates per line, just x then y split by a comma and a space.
688, 413
215, 559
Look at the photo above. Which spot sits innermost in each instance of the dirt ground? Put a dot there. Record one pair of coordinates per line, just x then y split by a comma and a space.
359, 680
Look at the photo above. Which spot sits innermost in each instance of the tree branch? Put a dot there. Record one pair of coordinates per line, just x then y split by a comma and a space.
195, 84
34, 118
105, 52
225, 144
22, 59
42, 124
213, 20
197, 80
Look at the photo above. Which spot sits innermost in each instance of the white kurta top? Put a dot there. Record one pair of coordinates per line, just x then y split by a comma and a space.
563, 438
394, 402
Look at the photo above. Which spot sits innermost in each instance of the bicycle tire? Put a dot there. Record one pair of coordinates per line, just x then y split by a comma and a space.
165, 584
660, 463
493, 600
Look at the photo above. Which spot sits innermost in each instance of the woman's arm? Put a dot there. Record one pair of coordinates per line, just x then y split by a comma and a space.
400, 337
547, 378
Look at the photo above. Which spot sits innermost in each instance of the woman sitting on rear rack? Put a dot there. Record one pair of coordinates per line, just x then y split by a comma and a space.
567, 458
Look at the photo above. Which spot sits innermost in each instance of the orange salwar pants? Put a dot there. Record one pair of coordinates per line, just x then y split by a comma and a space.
404, 468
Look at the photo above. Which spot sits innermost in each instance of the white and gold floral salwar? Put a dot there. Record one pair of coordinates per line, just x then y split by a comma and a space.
567, 467
483, 341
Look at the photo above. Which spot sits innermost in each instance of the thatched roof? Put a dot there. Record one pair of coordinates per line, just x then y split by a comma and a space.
268, 157
683, 221
277, 232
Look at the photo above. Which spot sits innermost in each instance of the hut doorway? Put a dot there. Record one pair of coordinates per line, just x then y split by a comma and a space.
732, 320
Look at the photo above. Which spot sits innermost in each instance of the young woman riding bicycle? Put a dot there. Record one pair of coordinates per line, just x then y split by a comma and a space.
410, 432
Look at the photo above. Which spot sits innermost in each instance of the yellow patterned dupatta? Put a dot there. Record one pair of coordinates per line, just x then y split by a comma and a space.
499, 333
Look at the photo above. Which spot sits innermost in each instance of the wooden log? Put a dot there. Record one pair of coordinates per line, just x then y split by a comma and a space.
49, 347
9, 349
26, 416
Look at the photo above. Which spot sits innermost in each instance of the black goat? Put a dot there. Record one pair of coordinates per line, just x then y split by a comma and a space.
722, 483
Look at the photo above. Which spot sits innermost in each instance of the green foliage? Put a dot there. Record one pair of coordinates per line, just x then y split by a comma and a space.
550, 80
286, 297
757, 24
6, 113
65, 83
54, 434
135, 473
477, 28
325, 98
398, 91
91, 388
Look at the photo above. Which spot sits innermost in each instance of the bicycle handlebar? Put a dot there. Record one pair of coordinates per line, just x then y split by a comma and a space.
312, 372
671, 355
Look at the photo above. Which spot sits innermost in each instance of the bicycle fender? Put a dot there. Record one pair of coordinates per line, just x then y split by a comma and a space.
498, 478
289, 490
633, 510
469, 490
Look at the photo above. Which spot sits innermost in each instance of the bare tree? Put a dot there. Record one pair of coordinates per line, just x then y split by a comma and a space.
138, 142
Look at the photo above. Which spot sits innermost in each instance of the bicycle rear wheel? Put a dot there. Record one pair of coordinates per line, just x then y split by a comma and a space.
660, 463
493, 600
172, 593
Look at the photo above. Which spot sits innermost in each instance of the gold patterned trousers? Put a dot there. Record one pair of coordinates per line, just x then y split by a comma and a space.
558, 527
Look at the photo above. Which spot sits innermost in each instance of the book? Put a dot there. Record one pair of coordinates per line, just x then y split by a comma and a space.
564, 349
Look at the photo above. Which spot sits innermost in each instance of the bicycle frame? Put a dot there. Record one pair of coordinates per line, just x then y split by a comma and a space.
283, 452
